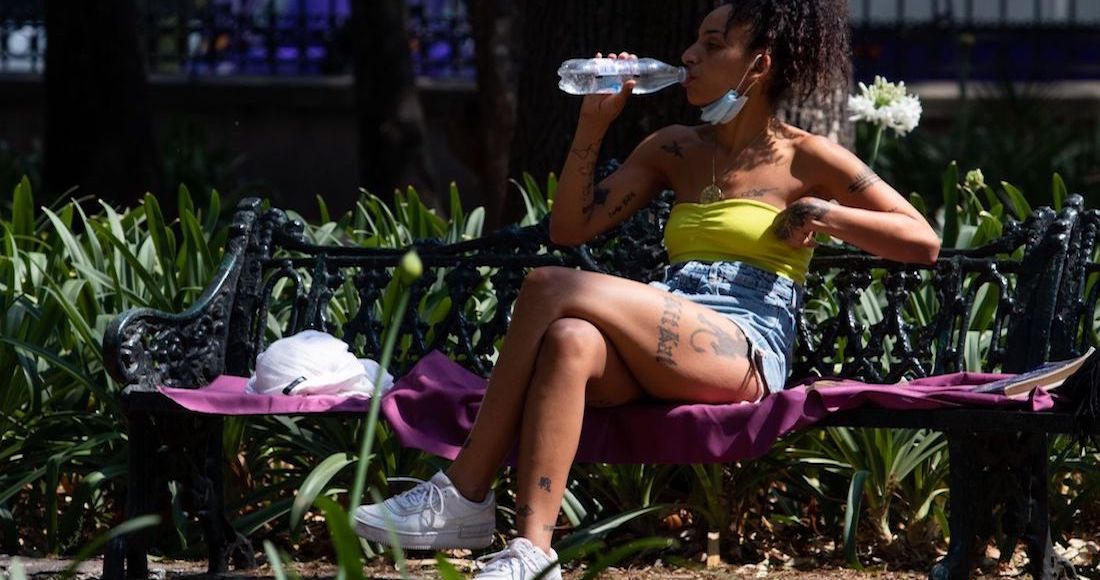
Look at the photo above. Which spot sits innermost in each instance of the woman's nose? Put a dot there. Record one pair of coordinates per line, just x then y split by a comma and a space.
688, 57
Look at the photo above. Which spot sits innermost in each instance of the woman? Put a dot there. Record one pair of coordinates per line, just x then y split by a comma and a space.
751, 193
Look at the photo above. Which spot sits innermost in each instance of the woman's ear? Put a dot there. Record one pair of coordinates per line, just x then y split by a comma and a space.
763, 64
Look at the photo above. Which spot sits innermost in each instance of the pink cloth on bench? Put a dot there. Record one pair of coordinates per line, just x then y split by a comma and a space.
225, 395
433, 407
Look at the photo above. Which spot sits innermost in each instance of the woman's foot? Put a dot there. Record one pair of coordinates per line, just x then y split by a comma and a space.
431, 516
521, 560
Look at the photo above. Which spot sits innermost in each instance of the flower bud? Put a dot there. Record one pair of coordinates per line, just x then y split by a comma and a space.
410, 268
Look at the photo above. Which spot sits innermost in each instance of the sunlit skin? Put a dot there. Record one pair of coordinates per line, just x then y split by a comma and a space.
580, 338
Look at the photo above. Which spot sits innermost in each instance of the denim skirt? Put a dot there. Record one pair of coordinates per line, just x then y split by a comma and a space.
761, 303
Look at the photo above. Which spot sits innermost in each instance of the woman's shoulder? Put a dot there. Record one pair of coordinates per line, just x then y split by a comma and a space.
673, 136
818, 151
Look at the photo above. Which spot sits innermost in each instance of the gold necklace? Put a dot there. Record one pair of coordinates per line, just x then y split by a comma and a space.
712, 192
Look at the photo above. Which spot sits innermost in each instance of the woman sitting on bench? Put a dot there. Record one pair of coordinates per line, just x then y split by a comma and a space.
751, 191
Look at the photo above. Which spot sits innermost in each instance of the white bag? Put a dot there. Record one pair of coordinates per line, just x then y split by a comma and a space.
314, 363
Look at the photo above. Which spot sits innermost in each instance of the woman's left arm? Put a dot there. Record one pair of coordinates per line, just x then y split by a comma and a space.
847, 200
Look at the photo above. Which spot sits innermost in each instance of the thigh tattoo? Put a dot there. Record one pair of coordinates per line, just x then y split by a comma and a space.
723, 343
668, 335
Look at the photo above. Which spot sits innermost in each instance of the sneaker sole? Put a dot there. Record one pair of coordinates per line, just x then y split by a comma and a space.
473, 537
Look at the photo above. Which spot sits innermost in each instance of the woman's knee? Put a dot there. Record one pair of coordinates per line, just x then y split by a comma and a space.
548, 283
570, 341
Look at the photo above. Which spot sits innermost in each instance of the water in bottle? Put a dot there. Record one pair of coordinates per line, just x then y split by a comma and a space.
586, 76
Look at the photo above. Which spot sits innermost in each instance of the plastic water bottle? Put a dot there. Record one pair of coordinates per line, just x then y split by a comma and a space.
586, 76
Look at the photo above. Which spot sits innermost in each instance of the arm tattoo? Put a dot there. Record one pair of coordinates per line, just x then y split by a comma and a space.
674, 149
865, 180
797, 216
525, 511
585, 153
622, 205
667, 335
597, 196
544, 484
587, 171
723, 343
548, 527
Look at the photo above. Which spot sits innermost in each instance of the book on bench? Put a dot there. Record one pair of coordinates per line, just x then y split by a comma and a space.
1046, 376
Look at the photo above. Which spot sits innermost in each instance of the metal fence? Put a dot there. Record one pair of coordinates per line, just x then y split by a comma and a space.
994, 40
905, 39
207, 38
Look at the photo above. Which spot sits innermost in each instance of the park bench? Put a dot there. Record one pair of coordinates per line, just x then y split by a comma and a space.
1033, 277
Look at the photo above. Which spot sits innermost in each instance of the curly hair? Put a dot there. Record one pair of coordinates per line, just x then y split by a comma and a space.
808, 41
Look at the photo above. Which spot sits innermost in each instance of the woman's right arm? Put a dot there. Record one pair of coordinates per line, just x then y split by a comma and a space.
584, 209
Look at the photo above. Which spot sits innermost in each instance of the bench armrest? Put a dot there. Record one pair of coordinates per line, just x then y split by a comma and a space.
144, 347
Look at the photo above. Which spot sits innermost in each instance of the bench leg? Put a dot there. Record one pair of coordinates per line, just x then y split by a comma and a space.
126, 554
1032, 472
963, 505
222, 541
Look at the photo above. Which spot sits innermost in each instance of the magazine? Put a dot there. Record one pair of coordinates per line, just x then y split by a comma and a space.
1046, 376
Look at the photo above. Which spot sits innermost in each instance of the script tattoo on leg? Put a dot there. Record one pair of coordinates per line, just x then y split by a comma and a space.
723, 343
668, 335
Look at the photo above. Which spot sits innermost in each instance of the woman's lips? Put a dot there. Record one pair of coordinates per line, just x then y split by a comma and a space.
687, 81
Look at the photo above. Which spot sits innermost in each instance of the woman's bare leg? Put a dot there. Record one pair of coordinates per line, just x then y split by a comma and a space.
675, 348
576, 364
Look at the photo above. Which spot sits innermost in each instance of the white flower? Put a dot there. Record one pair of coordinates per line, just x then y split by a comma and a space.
886, 105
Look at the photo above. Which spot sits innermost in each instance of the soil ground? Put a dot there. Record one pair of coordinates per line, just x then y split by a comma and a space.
162, 569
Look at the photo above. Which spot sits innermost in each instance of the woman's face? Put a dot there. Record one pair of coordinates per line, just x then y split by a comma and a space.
717, 60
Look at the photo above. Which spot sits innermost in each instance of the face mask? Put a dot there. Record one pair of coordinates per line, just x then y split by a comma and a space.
730, 104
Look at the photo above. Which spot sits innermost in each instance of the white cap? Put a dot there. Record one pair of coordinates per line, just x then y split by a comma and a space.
312, 363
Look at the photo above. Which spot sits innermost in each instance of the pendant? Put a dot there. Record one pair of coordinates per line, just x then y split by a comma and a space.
710, 194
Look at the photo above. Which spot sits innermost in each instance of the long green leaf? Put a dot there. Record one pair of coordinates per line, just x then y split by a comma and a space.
601, 528
275, 560
851, 518
447, 570
1058, 191
22, 211
314, 484
138, 268
344, 540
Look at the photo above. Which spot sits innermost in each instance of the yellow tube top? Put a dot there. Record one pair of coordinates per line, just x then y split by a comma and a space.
733, 229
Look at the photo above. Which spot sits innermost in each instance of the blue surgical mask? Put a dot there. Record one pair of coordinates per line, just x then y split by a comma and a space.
730, 104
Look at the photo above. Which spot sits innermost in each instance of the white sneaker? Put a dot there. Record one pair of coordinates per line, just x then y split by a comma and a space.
430, 516
521, 560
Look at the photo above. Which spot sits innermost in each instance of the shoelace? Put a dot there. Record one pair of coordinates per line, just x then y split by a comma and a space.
500, 561
415, 497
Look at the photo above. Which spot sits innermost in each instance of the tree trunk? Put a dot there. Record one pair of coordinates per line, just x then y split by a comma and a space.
554, 30
392, 137
495, 28
825, 113
99, 131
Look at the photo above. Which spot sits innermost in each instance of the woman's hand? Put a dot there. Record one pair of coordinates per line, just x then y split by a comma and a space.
601, 110
797, 224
